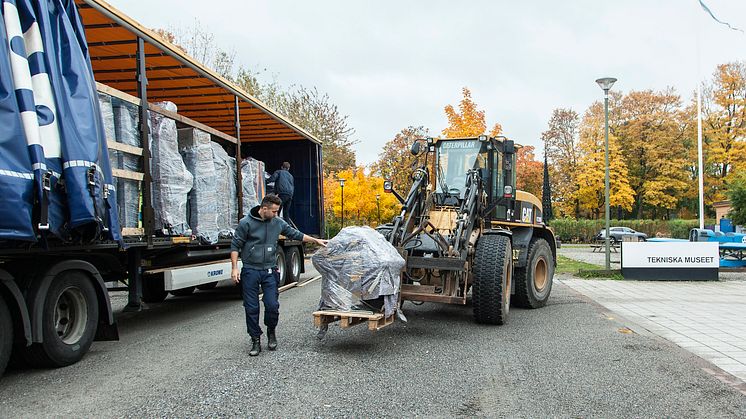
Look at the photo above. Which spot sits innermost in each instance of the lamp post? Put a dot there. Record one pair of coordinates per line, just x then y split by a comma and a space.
606, 84
378, 204
342, 186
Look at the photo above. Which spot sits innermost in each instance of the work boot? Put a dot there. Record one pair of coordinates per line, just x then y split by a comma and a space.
256, 347
271, 340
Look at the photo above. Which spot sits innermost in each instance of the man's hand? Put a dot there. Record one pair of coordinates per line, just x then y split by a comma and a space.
322, 242
235, 275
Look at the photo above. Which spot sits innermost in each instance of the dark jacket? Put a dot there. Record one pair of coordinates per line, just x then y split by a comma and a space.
283, 182
256, 239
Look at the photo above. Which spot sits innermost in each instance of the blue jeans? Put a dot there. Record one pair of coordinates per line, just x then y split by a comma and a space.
251, 280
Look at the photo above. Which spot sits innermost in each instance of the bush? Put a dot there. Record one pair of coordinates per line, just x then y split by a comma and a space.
570, 230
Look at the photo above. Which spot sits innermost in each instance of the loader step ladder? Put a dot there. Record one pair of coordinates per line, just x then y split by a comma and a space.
347, 319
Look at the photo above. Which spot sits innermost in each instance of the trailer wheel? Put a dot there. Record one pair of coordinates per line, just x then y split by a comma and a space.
281, 265
293, 265
493, 265
6, 335
533, 283
153, 290
69, 321
183, 292
207, 286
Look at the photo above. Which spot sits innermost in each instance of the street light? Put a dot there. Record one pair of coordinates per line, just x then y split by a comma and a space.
342, 185
606, 84
378, 204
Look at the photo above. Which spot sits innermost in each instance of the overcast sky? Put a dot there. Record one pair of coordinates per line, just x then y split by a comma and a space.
391, 64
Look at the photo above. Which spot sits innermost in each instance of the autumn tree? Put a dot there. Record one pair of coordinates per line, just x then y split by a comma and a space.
650, 132
468, 121
395, 160
561, 147
592, 167
724, 128
201, 45
529, 171
360, 203
311, 110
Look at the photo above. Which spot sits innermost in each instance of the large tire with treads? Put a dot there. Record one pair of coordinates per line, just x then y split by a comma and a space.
533, 283
6, 335
493, 266
69, 321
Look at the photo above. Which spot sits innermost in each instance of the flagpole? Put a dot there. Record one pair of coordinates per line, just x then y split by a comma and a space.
699, 160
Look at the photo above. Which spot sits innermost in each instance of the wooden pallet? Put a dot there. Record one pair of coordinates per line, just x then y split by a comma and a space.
347, 319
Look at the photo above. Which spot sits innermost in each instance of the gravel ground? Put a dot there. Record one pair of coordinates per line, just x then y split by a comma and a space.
188, 357
584, 253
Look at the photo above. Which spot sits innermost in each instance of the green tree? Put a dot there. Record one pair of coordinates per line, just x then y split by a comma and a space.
737, 196
395, 160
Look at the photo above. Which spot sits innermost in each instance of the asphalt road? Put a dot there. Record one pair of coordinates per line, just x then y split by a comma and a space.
189, 357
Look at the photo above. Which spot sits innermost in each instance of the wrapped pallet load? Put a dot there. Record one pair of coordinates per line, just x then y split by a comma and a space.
359, 270
194, 145
225, 168
252, 175
171, 180
128, 190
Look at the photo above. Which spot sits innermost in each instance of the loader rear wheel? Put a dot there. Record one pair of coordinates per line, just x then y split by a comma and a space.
6, 335
493, 266
533, 284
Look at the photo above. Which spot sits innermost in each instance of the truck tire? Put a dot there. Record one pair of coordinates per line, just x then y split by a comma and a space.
292, 265
281, 265
533, 284
183, 292
6, 335
207, 286
69, 321
493, 265
153, 290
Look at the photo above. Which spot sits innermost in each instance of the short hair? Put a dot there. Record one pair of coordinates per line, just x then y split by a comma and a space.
271, 199
286, 165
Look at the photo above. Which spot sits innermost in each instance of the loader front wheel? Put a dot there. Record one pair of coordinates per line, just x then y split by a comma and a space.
493, 266
533, 284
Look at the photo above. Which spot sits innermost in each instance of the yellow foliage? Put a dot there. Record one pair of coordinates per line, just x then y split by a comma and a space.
360, 204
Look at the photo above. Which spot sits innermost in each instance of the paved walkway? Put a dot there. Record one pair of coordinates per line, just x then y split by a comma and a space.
705, 318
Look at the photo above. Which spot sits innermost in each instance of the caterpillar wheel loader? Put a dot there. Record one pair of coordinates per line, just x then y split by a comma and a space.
465, 229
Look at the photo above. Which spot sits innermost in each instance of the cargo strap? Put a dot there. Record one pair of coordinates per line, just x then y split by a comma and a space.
92, 172
46, 187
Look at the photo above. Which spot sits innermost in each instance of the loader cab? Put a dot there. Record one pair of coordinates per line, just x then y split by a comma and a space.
494, 158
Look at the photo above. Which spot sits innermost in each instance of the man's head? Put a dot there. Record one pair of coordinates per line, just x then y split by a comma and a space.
270, 206
285, 165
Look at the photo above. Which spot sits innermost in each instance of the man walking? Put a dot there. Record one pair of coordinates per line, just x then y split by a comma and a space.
284, 188
256, 241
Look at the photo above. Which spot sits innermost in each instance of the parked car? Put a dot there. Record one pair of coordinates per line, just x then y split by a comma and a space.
618, 234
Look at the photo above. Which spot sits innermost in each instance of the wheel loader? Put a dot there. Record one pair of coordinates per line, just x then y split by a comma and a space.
465, 231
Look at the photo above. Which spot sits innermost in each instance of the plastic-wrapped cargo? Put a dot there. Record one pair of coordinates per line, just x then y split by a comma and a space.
194, 145
358, 266
171, 179
127, 132
252, 179
107, 115
225, 169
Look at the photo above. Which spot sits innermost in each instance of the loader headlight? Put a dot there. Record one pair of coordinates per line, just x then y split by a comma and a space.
508, 191
387, 186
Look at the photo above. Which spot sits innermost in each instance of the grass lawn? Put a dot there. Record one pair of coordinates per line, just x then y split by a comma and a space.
589, 270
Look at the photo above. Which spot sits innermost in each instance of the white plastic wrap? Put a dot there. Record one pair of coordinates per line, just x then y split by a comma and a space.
127, 132
203, 199
171, 180
225, 169
107, 115
252, 179
358, 265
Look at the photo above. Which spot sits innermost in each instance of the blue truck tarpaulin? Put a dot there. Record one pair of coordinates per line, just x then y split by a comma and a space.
16, 177
70, 141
